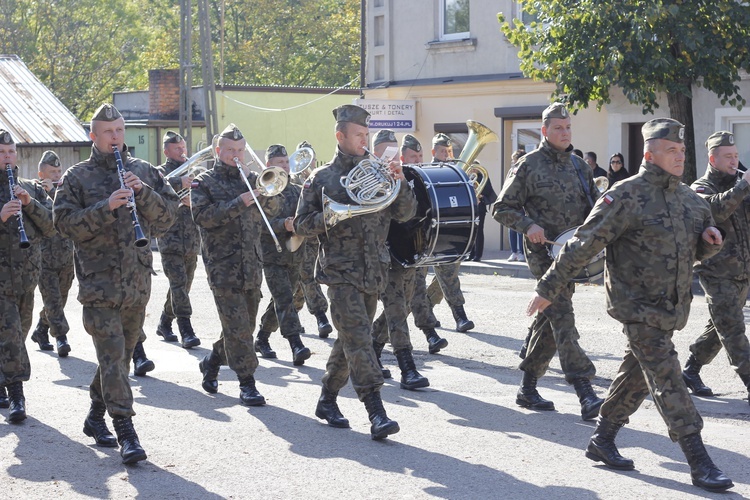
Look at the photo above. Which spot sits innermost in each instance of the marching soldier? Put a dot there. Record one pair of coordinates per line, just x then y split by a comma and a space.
281, 270
57, 270
353, 262
231, 225
654, 228
549, 191
96, 206
179, 248
724, 277
27, 208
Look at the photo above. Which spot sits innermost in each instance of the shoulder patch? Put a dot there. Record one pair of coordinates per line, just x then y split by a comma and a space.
608, 199
195, 184
307, 184
700, 189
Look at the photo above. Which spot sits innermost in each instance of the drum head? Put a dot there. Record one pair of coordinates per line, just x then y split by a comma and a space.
591, 271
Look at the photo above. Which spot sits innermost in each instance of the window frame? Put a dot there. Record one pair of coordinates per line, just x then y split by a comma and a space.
452, 36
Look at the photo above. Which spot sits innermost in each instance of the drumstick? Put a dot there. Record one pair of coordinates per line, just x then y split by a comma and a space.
554, 243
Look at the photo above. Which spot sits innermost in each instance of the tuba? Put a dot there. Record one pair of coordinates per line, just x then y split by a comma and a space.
193, 167
370, 185
479, 137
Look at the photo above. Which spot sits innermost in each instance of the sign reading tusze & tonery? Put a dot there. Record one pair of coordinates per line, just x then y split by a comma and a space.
399, 116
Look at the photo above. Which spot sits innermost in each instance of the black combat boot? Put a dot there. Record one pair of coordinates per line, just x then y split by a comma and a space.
41, 337
263, 346
94, 426
590, 403
410, 377
463, 324
209, 367
527, 340
189, 339
249, 395
382, 426
164, 329
299, 352
745, 380
691, 376
528, 397
130, 448
328, 409
324, 327
702, 469
378, 352
17, 403
602, 446
4, 402
63, 348
141, 364
436, 343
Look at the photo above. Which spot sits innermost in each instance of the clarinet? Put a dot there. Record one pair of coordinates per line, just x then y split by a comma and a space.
24, 242
140, 238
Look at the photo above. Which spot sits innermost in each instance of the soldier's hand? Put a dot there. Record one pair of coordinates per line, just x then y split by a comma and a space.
746, 175
132, 181
396, 170
537, 304
712, 235
185, 200
119, 198
289, 224
47, 184
247, 198
10, 209
186, 181
535, 234
22, 195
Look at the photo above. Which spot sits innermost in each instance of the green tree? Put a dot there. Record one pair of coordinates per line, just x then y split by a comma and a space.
590, 47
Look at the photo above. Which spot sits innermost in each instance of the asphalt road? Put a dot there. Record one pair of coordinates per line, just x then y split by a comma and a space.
463, 437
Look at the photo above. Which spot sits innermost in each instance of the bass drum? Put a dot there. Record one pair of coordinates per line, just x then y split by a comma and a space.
591, 271
445, 227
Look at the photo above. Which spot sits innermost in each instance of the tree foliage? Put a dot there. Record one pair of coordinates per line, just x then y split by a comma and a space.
589, 48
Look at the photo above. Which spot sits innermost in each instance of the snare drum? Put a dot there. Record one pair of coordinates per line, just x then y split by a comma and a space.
591, 271
446, 224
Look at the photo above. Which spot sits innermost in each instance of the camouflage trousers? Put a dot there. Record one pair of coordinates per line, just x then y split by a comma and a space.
726, 299
352, 312
237, 312
179, 270
115, 332
308, 290
650, 366
446, 283
555, 331
395, 301
281, 310
420, 302
16, 314
54, 285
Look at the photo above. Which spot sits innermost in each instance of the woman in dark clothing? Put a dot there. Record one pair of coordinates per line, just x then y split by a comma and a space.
617, 170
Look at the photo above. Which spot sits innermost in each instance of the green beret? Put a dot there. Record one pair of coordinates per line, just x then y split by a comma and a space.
353, 114
50, 158
5, 137
385, 135
441, 140
304, 144
232, 132
275, 151
106, 113
718, 139
412, 143
555, 110
171, 137
664, 128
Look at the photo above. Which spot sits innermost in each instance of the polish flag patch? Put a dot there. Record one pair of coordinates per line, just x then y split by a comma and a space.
608, 199
700, 189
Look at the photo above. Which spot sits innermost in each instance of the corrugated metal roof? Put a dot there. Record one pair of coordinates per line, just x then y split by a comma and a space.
29, 110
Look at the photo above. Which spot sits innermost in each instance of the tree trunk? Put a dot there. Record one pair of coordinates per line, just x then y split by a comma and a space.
681, 109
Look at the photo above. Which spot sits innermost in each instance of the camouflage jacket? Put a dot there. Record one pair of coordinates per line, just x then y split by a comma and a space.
353, 251
20, 268
544, 188
57, 252
183, 237
730, 206
651, 225
230, 230
111, 270
288, 200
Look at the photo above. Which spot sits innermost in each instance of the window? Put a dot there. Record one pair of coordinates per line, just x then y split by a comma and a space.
454, 19
741, 131
525, 17
379, 31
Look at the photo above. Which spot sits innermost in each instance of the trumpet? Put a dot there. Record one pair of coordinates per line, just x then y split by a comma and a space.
24, 241
140, 238
302, 163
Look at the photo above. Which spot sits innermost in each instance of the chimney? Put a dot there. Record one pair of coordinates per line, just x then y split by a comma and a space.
164, 94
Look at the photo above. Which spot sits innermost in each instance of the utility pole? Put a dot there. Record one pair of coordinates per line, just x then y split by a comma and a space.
186, 73
209, 85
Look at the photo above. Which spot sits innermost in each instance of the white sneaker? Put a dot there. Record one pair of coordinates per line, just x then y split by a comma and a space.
521, 257
513, 257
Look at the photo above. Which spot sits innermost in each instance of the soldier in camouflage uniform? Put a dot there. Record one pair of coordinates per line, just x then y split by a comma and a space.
179, 248
725, 276
549, 191
19, 274
281, 270
654, 228
446, 281
93, 209
353, 262
57, 270
231, 225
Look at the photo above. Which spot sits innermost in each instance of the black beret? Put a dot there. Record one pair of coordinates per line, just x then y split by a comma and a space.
275, 151
106, 113
232, 132
171, 137
441, 140
50, 158
411, 142
5, 137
